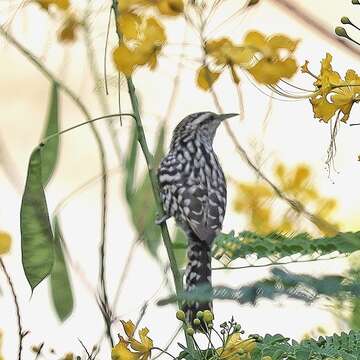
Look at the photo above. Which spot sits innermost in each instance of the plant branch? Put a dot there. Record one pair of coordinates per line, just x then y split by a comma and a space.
103, 163
152, 175
18, 316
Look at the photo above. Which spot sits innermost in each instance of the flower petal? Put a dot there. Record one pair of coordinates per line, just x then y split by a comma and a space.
129, 328
121, 352
5, 242
206, 78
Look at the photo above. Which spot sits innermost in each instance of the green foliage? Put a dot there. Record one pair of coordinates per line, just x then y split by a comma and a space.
37, 243
49, 155
339, 347
276, 246
283, 283
61, 291
140, 199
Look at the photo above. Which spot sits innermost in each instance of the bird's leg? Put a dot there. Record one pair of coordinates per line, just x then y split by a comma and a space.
162, 219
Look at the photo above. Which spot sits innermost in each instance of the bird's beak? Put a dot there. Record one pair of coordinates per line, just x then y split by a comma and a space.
222, 117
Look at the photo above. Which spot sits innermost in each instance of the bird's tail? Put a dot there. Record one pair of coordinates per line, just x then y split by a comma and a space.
198, 272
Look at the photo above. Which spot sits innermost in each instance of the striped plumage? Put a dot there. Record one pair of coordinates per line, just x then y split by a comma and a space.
193, 191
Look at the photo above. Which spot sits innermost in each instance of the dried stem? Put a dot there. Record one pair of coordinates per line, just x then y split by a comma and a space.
18, 316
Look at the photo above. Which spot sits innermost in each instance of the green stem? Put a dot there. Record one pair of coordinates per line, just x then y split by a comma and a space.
153, 179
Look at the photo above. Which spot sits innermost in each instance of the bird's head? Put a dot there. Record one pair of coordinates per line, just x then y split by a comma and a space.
201, 122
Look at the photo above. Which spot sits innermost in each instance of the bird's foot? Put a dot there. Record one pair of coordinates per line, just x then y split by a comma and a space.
162, 219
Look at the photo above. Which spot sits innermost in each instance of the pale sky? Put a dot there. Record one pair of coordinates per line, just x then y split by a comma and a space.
292, 136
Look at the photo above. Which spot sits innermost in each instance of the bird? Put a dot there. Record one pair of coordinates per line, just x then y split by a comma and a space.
193, 191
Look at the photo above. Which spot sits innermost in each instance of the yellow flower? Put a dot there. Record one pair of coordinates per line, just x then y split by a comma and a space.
225, 53
257, 201
142, 348
5, 242
68, 29
271, 66
61, 4
333, 95
147, 38
235, 348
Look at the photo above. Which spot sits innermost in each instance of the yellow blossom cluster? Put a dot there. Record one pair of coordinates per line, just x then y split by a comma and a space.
5, 242
267, 59
70, 23
142, 37
257, 201
236, 349
333, 95
130, 348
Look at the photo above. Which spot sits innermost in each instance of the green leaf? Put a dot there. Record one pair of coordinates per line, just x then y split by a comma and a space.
61, 291
37, 243
283, 283
49, 154
141, 201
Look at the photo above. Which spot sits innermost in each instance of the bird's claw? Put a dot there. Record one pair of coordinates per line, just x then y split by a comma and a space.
162, 219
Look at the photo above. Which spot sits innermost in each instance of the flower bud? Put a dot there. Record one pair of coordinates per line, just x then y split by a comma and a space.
237, 327
180, 315
200, 315
345, 20
340, 31
197, 322
208, 316
355, 2
190, 331
210, 326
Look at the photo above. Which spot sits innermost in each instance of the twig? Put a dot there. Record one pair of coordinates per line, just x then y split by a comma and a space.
162, 352
302, 15
32, 58
125, 272
18, 316
96, 79
276, 263
169, 343
86, 350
